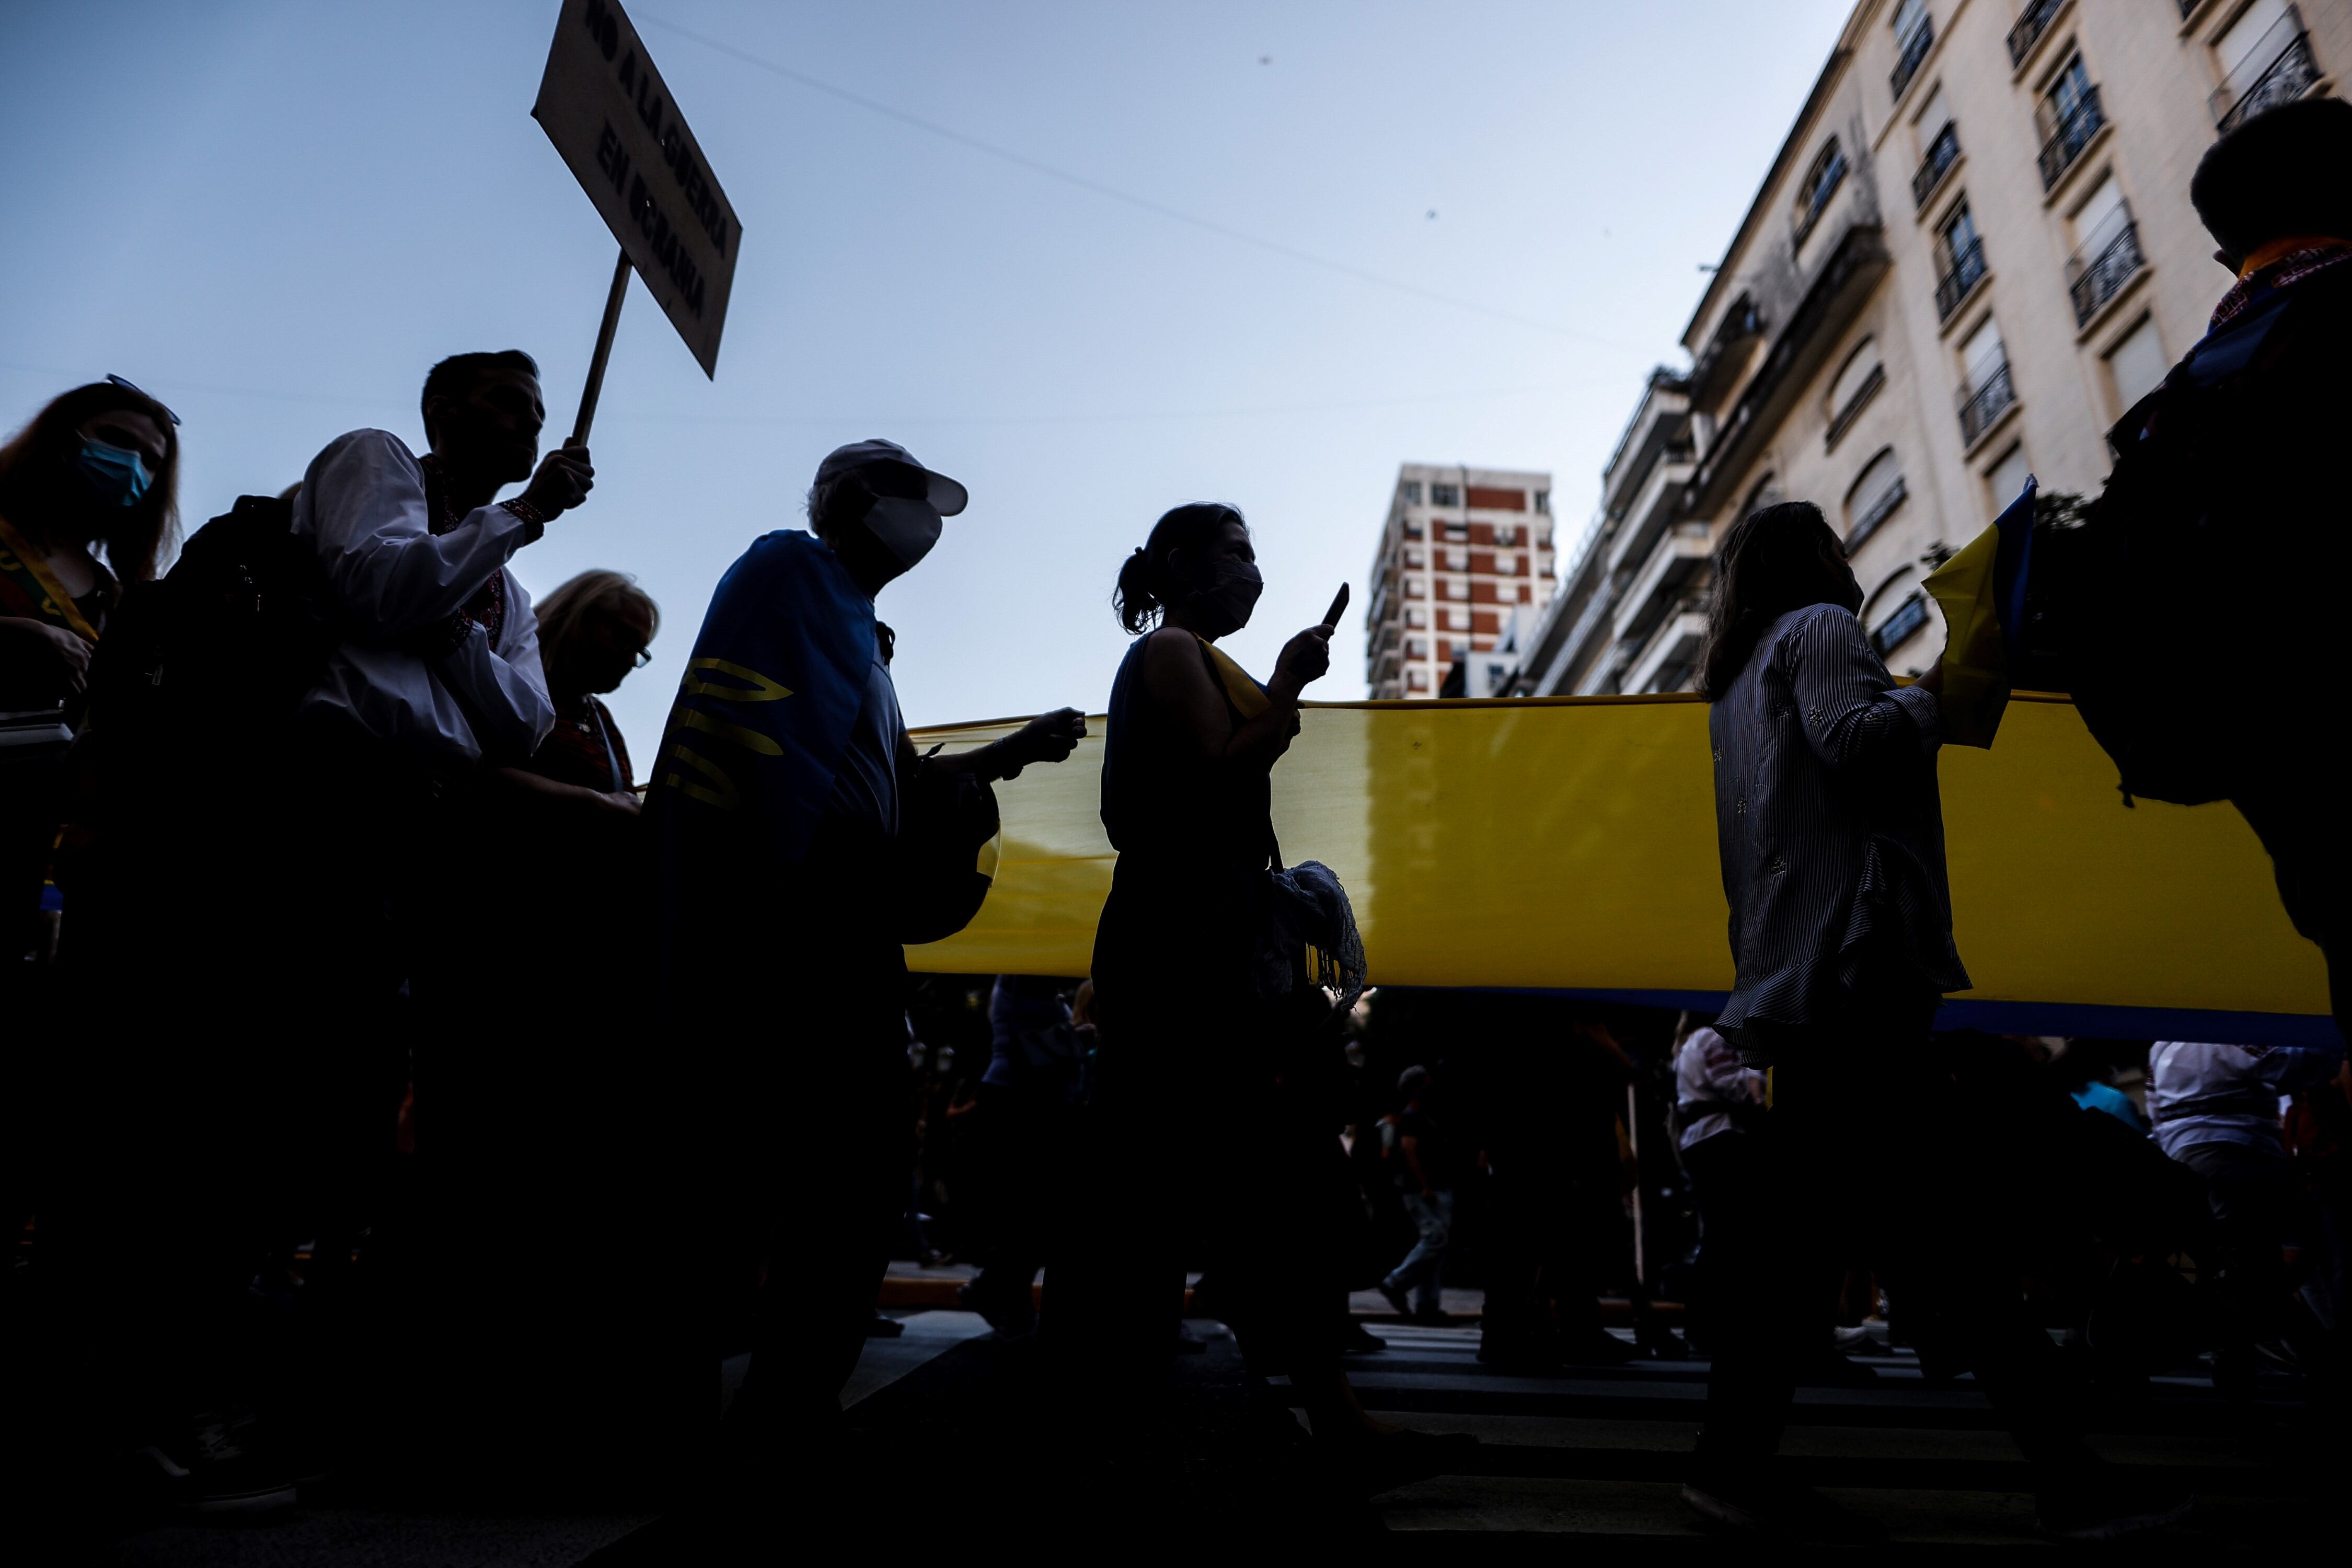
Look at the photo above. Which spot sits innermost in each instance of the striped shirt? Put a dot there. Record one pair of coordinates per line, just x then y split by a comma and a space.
1831, 828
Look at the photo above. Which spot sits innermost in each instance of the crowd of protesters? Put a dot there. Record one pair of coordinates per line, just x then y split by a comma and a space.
368, 1019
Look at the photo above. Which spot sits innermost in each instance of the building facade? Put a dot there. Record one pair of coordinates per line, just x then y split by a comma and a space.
1974, 251
1462, 551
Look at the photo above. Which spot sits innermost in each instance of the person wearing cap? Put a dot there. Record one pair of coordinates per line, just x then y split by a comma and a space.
783, 796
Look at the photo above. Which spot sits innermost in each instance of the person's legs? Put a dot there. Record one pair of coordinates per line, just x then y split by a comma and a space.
1754, 1222
836, 1139
2251, 1192
1419, 1269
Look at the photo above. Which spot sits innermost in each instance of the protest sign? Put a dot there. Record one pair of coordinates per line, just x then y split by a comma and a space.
612, 118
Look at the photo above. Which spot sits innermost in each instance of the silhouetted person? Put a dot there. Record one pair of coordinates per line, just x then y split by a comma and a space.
787, 809
1426, 1166
2223, 473
1028, 1100
1189, 1058
1830, 832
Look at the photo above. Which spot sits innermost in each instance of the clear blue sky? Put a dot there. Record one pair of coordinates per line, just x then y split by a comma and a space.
276, 215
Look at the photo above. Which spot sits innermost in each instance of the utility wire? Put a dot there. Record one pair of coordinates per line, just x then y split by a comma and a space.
623, 416
1178, 214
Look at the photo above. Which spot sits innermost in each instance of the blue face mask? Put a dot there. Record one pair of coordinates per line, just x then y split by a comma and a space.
117, 475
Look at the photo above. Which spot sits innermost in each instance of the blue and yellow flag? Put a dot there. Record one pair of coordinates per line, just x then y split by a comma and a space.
1981, 592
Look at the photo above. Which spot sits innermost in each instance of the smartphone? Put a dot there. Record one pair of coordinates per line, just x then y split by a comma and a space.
1339, 608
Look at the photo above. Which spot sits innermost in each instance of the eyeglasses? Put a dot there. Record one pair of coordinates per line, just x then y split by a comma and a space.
134, 386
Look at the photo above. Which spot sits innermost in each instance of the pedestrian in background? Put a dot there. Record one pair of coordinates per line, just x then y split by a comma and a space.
1425, 1164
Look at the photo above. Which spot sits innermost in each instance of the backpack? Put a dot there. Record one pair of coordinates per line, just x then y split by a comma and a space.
2172, 591
200, 667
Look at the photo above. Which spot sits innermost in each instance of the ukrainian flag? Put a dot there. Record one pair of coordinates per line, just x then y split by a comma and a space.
1981, 592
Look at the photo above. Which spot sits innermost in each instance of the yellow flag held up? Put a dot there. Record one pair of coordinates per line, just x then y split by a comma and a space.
1981, 591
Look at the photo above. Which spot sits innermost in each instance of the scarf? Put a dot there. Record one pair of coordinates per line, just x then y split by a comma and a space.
2278, 265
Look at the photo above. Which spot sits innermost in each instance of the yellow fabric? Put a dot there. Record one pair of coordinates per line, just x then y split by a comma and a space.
1976, 659
57, 603
2278, 249
1570, 843
1249, 698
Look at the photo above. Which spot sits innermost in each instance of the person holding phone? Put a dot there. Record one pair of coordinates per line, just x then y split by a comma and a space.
1188, 1058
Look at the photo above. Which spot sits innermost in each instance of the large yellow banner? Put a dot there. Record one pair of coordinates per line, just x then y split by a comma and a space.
1569, 843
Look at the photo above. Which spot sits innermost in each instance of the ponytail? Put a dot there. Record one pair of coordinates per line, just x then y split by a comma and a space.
1145, 591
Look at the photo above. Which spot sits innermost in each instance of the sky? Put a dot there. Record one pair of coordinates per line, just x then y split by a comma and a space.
1093, 261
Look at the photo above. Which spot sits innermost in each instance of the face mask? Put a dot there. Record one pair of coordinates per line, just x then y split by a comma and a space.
1223, 606
117, 475
905, 528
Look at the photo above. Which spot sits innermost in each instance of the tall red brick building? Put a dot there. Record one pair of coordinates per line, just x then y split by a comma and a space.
1463, 550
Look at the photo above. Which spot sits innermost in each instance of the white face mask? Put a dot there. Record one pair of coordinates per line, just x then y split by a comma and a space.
905, 527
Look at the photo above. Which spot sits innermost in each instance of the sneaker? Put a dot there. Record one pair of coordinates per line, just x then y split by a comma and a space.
1397, 1298
1756, 1504
2108, 1509
1359, 1341
222, 1470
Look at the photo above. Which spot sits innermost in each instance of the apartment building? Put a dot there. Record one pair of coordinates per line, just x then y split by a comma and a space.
1462, 548
1973, 252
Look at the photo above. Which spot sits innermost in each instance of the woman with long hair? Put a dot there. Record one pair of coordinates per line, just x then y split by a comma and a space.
94, 474
1831, 829
1189, 1060
594, 630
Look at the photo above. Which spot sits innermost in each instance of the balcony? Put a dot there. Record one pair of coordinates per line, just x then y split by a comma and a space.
1909, 52
2098, 271
1679, 557
2280, 70
1665, 665
1967, 270
1835, 295
2073, 135
1646, 514
1942, 153
2032, 23
1981, 407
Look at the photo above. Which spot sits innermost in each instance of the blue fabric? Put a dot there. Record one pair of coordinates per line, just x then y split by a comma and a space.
771, 692
2106, 1097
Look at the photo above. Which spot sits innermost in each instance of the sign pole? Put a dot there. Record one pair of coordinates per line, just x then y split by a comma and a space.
604, 352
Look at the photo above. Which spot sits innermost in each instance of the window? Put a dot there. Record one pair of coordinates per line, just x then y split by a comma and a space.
1416, 680
1411, 492
1898, 629
1413, 588
1862, 375
2005, 480
1819, 183
2069, 116
2136, 365
1415, 620
2264, 60
1543, 502
1543, 539
1413, 558
1506, 534
1914, 31
1457, 531
2106, 252
1411, 528
1986, 391
1444, 495
1876, 492
1939, 148
1416, 647
1960, 260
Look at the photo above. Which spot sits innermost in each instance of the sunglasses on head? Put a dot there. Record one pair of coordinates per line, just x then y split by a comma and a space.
134, 386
